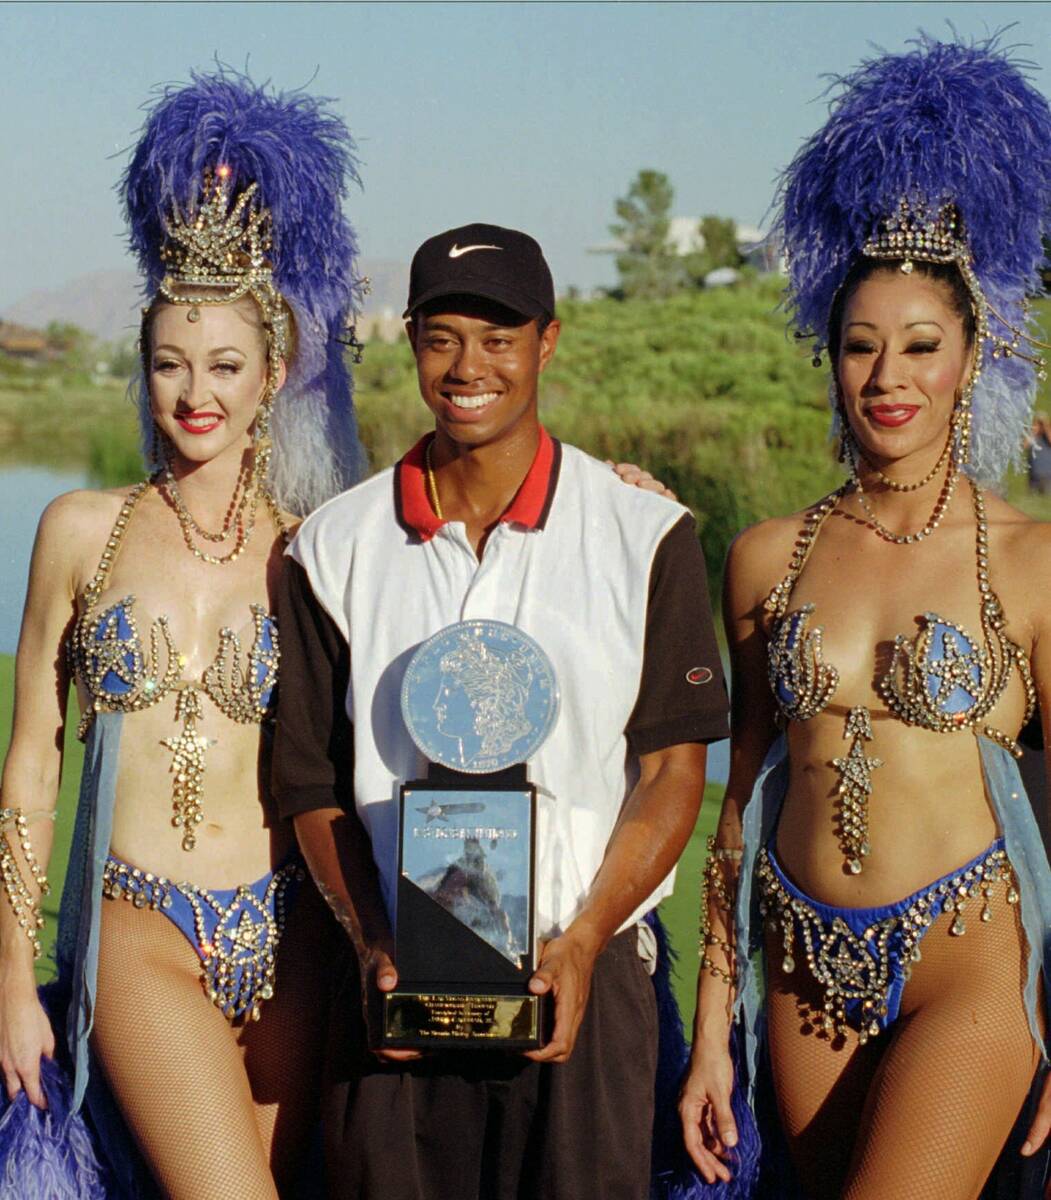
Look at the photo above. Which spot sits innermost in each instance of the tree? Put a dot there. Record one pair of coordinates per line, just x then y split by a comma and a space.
649, 268
718, 248
720, 242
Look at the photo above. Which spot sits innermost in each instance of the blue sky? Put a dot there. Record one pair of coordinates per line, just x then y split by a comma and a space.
530, 115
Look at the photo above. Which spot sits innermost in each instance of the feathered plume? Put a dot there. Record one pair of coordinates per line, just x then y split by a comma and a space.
302, 157
943, 121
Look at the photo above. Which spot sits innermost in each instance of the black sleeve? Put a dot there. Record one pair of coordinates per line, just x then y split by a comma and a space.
682, 692
313, 763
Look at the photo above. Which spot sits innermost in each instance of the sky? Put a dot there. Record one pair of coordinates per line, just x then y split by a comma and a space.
535, 116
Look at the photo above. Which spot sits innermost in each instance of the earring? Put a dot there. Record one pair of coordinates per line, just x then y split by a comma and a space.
261, 430
961, 422
841, 418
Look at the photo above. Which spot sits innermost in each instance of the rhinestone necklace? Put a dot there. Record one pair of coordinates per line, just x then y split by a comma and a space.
234, 513
903, 539
253, 490
896, 486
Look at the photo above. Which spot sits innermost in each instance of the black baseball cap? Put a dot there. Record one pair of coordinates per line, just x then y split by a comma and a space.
483, 260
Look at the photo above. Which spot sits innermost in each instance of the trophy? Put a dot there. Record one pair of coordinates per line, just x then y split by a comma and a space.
479, 698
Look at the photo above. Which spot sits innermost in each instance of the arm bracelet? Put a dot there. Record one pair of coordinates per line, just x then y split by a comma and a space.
24, 905
716, 891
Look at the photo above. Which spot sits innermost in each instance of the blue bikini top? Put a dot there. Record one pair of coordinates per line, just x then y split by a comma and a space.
941, 679
121, 674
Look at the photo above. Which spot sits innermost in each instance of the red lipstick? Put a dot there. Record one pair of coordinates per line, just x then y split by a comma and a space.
199, 426
890, 416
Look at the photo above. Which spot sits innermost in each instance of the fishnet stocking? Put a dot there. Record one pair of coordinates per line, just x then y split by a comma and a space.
924, 1109
218, 1110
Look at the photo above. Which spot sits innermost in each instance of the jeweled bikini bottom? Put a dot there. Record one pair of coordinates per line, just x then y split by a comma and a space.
862, 957
234, 931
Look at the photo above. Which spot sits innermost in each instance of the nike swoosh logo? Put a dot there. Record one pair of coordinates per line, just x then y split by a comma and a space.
456, 251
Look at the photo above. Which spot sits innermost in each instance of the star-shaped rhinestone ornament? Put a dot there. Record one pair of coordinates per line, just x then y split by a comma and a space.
112, 651
955, 669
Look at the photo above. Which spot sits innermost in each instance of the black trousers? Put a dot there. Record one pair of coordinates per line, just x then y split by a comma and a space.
482, 1125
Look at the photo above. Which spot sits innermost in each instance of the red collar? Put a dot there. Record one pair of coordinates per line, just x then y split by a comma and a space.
529, 508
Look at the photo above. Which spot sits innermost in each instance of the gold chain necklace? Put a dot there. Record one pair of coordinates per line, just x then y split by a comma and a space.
903, 539
234, 512
432, 483
186, 523
895, 486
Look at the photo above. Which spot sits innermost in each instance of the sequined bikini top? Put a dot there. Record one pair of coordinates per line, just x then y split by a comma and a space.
121, 673
941, 679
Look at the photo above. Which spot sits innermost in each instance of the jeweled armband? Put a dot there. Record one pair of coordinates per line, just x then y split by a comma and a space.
718, 880
24, 904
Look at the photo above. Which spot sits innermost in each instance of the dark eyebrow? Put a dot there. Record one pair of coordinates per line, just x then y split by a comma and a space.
430, 325
911, 324
178, 349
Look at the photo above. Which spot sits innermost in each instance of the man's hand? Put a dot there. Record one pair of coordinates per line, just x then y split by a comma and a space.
378, 976
1040, 1126
565, 969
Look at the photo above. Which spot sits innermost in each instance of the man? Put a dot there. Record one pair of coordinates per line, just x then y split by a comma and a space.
491, 517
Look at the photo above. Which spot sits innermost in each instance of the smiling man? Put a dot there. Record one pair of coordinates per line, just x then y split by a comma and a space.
491, 517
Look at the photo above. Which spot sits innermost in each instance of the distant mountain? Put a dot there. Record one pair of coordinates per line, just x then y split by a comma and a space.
106, 303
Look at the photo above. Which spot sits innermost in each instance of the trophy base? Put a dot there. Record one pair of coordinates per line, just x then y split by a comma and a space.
463, 1021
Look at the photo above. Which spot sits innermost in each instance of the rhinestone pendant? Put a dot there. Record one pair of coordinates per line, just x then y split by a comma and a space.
188, 751
194, 314
788, 964
855, 787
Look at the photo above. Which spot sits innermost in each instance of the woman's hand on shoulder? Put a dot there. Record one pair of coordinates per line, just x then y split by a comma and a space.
709, 1130
636, 476
25, 1037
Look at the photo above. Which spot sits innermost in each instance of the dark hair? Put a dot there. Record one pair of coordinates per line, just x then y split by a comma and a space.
947, 274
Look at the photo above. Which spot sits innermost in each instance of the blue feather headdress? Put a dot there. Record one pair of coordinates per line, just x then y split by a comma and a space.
949, 129
300, 157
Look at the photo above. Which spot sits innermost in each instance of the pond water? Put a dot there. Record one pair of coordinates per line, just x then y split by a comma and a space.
24, 494
26, 491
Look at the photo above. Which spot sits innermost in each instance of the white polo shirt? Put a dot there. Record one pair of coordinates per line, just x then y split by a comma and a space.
608, 579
